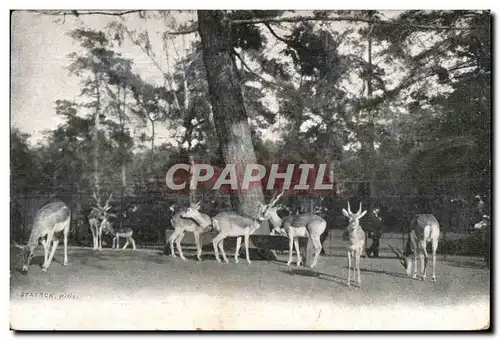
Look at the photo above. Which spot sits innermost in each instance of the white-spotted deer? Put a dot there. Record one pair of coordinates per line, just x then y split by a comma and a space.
424, 229
307, 225
356, 241
95, 218
233, 224
183, 224
127, 233
52, 218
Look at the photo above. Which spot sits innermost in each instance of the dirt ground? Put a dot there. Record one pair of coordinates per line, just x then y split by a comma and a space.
147, 290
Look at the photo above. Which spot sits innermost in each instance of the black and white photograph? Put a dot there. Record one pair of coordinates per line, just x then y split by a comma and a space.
280, 170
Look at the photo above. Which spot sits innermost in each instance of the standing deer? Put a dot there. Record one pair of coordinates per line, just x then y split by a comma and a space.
49, 220
233, 224
356, 241
98, 213
424, 228
307, 225
107, 227
183, 224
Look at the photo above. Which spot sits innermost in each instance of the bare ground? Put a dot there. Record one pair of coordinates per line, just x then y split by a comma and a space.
145, 289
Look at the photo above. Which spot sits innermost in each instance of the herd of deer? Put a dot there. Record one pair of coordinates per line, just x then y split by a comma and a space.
424, 228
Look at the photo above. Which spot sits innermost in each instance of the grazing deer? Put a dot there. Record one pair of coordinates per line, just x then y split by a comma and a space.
424, 228
183, 224
107, 227
233, 224
356, 241
307, 225
96, 214
49, 220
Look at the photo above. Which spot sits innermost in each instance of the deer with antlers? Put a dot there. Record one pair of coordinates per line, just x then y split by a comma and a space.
183, 224
98, 213
356, 241
51, 219
424, 229
233, 224
307, 225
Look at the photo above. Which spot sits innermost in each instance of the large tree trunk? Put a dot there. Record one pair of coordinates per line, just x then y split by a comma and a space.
230, 117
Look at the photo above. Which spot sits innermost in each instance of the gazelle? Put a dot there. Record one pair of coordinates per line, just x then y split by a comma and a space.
233, 224
307, 225
107, 227
424, 228
98, 213
356, 241
49, 220
183, 224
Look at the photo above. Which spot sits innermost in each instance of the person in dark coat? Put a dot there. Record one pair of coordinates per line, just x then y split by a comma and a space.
375, 234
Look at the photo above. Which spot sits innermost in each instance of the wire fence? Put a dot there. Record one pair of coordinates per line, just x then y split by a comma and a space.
152, 217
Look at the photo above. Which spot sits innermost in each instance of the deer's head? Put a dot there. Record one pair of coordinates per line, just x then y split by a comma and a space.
275, 219
267, 210
193, 212
353, 217
25, 255
403, 258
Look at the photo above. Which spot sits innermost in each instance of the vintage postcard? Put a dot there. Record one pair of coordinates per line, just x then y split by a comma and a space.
250, 170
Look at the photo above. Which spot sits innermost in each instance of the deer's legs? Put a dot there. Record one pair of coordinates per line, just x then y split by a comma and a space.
297, 250
178, 244
198, 246
290, 250
348, 267
237, 252
126, 243
50, 238
415, 268
221, 246
215, 243
65, 235
171, 240
94, 236
133, 242
55, 243
247, 239
99, 238
434, 249
317, 248
358, 262
45, 250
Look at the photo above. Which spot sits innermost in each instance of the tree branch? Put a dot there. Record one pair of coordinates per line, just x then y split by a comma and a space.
257, 75
286, 41
78, 13
345, 18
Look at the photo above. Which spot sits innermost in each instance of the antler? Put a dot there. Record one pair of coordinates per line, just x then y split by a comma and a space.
107, 206
399, 255
18, 245
98, 201
274, 200
349, 208
359, 211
